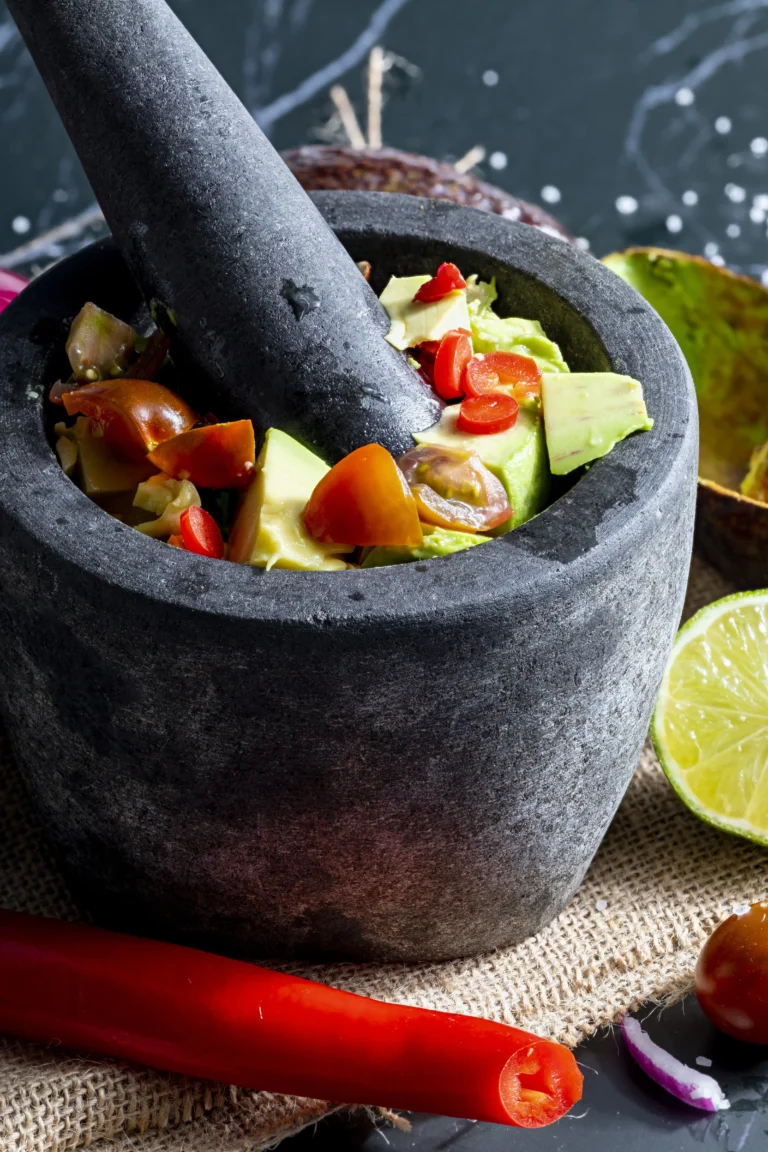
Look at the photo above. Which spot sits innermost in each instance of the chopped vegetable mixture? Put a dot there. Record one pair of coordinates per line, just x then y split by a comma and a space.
514, 416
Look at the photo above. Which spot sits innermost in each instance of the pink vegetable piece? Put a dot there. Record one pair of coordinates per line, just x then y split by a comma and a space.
686, 1084
10, 286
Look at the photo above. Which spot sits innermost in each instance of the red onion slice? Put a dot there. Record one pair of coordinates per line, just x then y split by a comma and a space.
10, 286
692, 1087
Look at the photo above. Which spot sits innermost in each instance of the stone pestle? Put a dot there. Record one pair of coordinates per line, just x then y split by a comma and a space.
268, 314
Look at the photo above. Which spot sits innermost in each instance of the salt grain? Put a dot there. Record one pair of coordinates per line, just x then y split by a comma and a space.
674, 224
759, 146
490, 78
735, 193
684, 97
498, 160
550, 194
733, 231
601, 905
740, 909
703, 1062
723, 125
626, 205
757, 215
711, 249
21, 224
690, 198
583, 243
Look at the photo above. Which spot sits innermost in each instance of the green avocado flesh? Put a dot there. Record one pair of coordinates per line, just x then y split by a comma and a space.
492, 333
587, 413
269, 531
437, 542
518, 457
412, 322
720, 322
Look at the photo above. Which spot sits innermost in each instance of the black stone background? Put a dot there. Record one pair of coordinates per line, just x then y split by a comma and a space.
595, 99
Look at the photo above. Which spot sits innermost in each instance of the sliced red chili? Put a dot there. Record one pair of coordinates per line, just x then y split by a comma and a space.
447, 279
491, 412
201, 533
453, 356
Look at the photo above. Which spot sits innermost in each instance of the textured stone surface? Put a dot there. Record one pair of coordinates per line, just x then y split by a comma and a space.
415, 762
215, 227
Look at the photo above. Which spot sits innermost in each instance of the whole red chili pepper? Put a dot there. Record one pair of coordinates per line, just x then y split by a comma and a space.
203, 1015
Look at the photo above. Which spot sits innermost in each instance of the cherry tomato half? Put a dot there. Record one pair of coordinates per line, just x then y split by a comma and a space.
502, 372
201, 533
215, 456
453, 356
364, 499
454, 489
486, 414
732, 975
447, 279
134, 415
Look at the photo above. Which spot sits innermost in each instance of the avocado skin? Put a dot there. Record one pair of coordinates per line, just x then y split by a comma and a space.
322, 167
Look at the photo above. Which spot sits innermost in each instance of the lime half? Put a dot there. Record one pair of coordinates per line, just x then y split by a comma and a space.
710, 727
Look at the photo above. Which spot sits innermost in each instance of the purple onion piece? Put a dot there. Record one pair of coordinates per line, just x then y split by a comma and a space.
686, 1084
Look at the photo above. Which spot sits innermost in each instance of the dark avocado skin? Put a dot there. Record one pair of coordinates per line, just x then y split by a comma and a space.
323, 168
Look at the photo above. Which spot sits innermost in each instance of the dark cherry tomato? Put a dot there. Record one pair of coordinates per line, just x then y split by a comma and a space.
447, 279
453, 355
201, 533
486, 414
518, 376
732, 975
425, 354
364, 499
454, 489
134, 415
214, 456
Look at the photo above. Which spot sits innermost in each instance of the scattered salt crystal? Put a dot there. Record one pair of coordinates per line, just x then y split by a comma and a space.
764, 277
583, 243
717, 260
626, 205
21, 224
723, 125
674, 224
740, 909
759, 146
733, 230
490, 77
551, 194
757, 215
735, 193
498, 160
684, 97
690, 198
703, 1062
711, 249
761, 201
601, 905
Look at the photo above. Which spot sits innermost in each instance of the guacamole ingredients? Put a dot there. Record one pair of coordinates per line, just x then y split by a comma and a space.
518, 376
268, 529
732, 974
437, 542
447, 279
134, 416
99, 346
453, 354
493, 333
453, 489
212, 456
686, 1084
587, 413
179, 496
364, 499
97, 470
200, 533
488, 413
411, 321
204, 1015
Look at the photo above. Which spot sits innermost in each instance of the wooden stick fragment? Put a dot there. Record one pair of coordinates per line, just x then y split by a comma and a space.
348, 116
375, 80
475, 155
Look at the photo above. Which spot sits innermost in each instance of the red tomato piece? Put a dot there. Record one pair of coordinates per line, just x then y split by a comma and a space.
134, 415
491, 412
502, 372
453, 356
364, 499
215, 456
201, 533
177, 542
425, 354
447, 279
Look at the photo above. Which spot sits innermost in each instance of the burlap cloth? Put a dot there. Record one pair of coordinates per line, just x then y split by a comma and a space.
659, 884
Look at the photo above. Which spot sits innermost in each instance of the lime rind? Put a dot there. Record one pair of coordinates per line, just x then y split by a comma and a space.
728, 608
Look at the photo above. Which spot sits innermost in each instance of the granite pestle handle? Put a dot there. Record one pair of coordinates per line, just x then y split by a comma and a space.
269, 316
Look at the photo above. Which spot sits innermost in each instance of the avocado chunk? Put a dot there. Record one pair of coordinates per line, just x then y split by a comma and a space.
492, 333
518, 457
268, 531
412, 322
437, 542
587, 413
92, 463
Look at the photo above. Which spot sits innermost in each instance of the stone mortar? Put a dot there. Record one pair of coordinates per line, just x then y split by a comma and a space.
408, 763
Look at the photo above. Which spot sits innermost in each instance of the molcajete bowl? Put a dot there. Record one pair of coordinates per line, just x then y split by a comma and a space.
403, 763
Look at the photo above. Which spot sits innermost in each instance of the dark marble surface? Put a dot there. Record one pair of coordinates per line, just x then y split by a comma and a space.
645, 122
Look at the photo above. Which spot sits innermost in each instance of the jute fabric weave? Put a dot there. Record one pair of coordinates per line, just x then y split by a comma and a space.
659, 884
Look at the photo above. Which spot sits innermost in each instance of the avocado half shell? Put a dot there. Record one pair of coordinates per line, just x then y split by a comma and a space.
720, 320
335, 169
